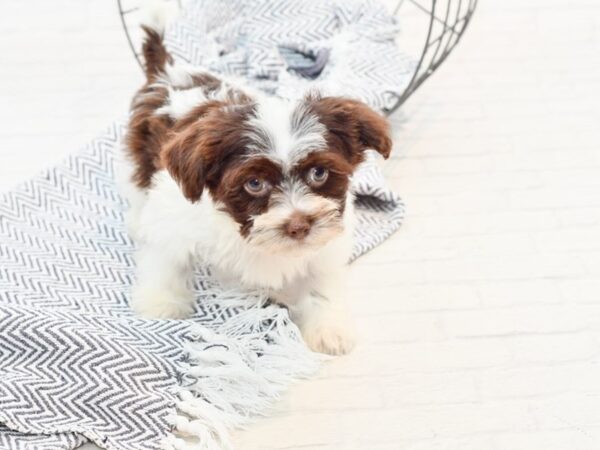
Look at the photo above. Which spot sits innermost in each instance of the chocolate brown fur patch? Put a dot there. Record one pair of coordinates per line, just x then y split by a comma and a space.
352, 127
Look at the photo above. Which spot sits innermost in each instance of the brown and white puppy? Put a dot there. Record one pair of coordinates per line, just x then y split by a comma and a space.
255, 186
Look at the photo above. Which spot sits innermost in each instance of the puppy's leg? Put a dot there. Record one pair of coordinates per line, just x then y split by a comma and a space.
135, 196
323, 316
163, 289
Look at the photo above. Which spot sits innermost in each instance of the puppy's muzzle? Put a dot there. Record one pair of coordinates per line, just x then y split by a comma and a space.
298, 226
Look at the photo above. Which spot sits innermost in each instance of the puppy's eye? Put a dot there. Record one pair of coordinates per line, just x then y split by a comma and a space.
317, 176
257, 187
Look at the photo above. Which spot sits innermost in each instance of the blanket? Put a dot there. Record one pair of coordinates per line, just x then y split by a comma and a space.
77, 365
284, 47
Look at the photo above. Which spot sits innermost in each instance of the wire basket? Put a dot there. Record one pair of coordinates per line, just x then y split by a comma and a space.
437, 26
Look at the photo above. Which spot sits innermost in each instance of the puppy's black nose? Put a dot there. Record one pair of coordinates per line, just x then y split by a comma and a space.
298, 226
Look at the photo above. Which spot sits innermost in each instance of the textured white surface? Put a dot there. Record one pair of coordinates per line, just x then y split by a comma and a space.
480, 319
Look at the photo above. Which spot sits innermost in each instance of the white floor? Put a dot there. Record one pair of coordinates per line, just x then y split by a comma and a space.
480, 319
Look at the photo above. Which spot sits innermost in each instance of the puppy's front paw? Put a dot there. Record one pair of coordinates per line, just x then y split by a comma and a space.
334, 336
153, 303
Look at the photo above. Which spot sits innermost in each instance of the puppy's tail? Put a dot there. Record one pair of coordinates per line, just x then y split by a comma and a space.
156, 15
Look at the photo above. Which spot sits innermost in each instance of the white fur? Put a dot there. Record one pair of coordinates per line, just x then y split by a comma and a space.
179, 75
182, 102
137, 197
287, 145
157, 14
183, 97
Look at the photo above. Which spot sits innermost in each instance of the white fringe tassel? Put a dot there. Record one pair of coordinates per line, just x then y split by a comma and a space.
236, 371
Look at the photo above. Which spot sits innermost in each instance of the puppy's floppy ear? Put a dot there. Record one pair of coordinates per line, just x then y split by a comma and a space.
353, 126
182, 157
202, 143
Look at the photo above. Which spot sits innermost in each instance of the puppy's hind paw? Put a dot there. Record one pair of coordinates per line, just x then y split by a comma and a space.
162, 304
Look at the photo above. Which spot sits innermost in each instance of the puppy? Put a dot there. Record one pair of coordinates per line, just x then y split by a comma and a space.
256, 187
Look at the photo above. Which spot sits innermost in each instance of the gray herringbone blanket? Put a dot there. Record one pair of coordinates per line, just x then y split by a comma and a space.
75, 363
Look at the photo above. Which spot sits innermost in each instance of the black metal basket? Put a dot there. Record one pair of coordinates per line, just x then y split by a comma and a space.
442, 23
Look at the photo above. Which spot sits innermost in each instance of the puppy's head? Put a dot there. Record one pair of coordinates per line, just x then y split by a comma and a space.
280, 171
